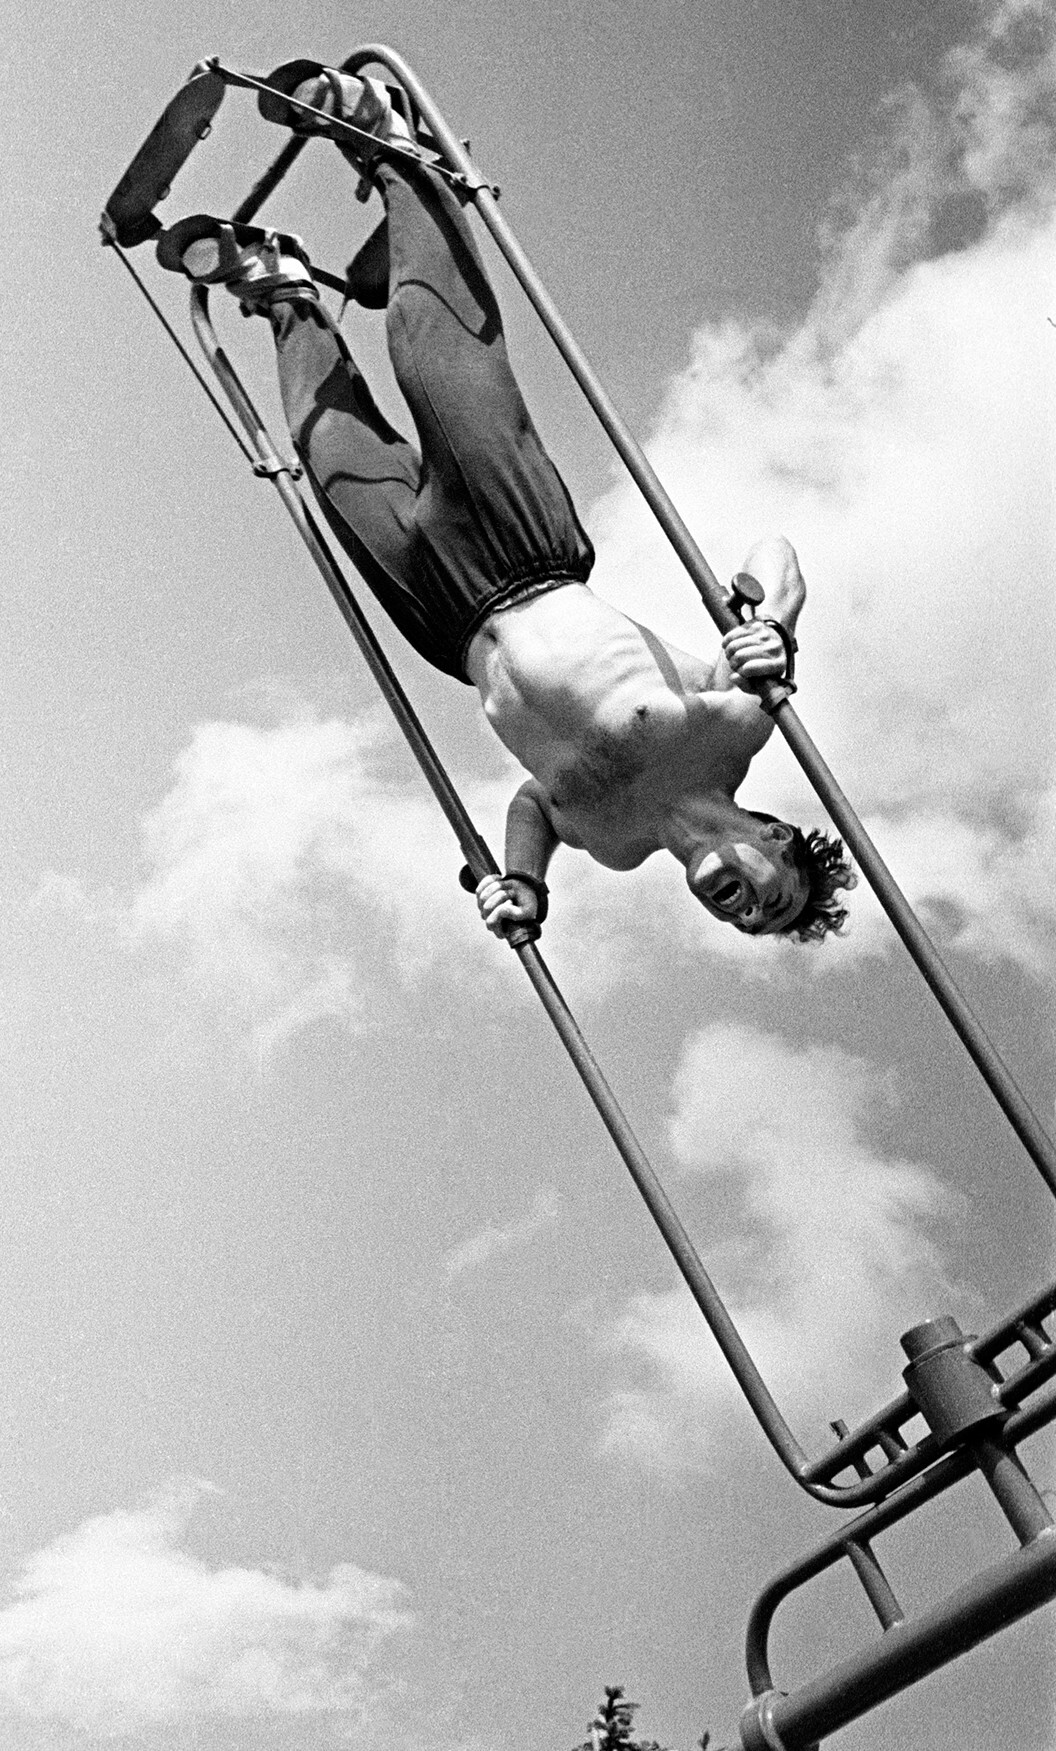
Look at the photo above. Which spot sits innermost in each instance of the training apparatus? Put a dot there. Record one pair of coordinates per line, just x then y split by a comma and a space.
969, 1402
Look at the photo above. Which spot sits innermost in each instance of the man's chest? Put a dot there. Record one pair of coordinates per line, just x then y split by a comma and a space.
605, 796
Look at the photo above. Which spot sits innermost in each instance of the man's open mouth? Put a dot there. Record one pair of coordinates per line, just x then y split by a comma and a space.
726, 894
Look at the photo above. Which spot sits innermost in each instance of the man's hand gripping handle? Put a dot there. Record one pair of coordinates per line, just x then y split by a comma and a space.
757, 650
513, 905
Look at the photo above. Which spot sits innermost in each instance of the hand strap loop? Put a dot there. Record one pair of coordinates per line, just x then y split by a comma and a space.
538, 887
468, 881
791, 647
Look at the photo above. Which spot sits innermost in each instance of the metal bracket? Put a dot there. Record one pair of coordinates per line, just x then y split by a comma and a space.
269, 470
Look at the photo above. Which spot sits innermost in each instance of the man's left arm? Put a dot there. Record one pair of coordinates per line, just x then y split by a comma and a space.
520, 896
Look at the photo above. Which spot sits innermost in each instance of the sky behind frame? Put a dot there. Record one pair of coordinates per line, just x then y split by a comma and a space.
351, 1398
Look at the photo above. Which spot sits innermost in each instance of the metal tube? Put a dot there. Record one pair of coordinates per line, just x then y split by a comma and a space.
660, 1208
951, 1469
991, 1601
1019, 1501
875, 1584
1010, 1098
269, 182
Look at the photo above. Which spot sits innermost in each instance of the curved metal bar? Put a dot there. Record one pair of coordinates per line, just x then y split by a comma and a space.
1003, 1594
1008, 1590
1010, 1098
938, 1635
950, 1470
814, 1476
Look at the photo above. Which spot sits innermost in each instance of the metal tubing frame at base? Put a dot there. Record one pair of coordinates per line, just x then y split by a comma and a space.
990, 1602
1009, 1590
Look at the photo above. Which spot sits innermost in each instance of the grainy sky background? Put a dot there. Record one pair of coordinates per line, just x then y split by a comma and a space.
349, 1397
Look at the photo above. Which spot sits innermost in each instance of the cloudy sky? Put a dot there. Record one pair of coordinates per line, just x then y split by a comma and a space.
350, 1398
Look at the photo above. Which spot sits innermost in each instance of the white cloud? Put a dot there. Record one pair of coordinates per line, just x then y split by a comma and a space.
286, 861
818, 1240
903, 437
298, 873
985, 886
116, 1628
492, 1241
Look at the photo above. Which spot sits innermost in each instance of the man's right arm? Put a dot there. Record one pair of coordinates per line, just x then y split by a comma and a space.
531, 839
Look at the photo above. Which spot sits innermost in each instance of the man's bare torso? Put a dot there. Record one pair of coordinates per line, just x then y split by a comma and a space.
613, 722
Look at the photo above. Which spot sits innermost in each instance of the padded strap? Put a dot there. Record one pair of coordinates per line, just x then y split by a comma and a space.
791, 647
467, 880
538, 887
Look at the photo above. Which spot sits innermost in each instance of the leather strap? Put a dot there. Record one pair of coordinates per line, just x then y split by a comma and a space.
791, 647
467, 880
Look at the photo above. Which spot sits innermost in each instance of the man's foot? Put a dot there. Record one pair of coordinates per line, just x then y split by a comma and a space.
321, 95
260, 268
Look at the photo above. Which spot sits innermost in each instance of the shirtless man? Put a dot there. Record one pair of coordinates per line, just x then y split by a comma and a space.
474, 549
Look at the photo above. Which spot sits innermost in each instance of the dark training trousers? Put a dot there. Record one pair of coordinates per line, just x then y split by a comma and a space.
481, 517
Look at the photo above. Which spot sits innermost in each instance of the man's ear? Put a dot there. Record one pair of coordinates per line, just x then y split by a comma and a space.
780, 831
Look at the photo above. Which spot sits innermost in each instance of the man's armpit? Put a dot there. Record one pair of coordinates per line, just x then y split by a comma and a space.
683, 672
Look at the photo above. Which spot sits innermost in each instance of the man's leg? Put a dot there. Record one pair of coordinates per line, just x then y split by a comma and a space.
364, 474
492, 515
492, 510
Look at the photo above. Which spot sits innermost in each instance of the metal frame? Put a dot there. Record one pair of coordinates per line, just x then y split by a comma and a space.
974, 1413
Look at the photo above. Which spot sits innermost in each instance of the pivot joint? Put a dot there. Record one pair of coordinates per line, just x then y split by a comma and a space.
953, 1390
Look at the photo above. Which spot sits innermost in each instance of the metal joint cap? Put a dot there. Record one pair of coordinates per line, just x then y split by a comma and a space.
954, 1392
758, 1732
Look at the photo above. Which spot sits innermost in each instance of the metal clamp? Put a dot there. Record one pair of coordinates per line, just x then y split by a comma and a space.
271, 470
758, 1729
955, 1394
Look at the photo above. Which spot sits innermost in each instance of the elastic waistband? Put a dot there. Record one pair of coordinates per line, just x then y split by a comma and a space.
519, 589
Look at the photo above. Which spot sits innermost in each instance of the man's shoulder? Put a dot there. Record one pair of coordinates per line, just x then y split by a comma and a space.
723, 707
728, 728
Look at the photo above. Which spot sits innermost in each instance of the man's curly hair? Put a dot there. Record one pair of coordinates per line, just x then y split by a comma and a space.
824, 863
